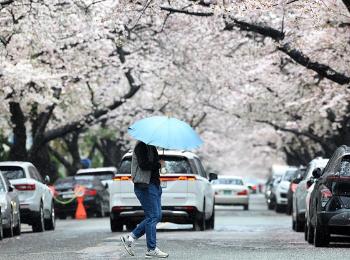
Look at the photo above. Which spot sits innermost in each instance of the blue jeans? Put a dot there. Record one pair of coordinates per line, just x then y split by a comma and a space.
149, 198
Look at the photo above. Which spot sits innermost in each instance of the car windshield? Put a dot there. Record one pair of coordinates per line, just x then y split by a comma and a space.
173, 165
102, 176
228, 181
70, 182
345, 167
289, 175
12, 172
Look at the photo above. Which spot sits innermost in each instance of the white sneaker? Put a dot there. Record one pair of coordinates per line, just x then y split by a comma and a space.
156, 253
128, 243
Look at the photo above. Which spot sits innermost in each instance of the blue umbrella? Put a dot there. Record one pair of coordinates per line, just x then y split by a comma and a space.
165, 132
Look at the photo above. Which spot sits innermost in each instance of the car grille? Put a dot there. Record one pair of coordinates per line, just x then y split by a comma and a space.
283, 195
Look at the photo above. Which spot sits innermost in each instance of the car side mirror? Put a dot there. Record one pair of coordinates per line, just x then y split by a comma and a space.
316, 173
106, 185
213, 176
297, 180
47, 179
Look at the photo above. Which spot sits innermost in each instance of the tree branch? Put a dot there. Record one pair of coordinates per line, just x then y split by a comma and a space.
298, 56
187, 12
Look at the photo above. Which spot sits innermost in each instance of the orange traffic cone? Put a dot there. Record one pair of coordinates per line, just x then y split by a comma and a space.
80, 213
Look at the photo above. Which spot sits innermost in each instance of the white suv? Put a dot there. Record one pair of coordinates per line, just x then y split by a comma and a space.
188, 196
36, 205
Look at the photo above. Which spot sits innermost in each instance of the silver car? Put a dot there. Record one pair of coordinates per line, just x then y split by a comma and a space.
299, 196
10, 214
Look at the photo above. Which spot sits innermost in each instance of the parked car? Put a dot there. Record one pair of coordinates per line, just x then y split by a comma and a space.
36, 201
188, 195
230, 190
299, 197
274, 179
1, 229
281, 189
95, 196
10, 215
329, 207
105, 174
297, 177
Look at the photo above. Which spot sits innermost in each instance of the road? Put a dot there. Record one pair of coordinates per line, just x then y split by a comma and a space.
254, 234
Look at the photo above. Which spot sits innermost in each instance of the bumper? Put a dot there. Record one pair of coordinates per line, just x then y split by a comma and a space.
90, 205
231, 200
281, 198
178, 215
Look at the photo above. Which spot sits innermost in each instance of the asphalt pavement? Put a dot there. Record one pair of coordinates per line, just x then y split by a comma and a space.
254, 234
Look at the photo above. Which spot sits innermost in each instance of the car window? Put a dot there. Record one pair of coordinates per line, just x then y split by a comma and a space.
12, 172
175, 164
35, 173
228, 181
70, 182
125, 166
288, 176
344, 167
101, 175
200, 168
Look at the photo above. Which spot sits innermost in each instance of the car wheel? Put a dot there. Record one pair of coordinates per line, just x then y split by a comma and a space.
293, 224
8, 232
279, 208
17, 229
211, 222
100, 213
39, 225
305, 231
310, 233
116, 226
130, 226
246, 207
270, 206
321, 236
50, 223
299, 225
199, 221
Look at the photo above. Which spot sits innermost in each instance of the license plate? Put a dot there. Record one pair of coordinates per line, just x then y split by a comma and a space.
67, 196
227, 192
163, 184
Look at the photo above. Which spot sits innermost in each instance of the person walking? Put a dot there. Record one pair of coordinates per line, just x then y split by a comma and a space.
145, 166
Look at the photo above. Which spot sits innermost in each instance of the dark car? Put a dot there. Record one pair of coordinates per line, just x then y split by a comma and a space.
95, 195
296, 178
329, 209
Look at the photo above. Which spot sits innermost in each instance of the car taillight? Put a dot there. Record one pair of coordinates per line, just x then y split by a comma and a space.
326, 195
293, 187
25, 186
243, 192
90, 192
122, 178
178, 178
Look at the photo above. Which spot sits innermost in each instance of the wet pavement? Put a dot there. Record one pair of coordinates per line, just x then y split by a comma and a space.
254, 234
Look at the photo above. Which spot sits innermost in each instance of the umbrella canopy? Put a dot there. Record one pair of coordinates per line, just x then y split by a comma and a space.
165, 132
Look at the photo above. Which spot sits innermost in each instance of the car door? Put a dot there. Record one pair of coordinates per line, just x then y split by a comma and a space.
13, 200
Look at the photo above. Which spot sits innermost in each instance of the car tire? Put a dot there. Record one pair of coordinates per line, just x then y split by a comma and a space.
270, 206
116, 226
293, 224
39, 224
130, 226
279, 208
50, 223
321, 236
17, 228
246, 207
211, 222
100, 213
305, 231
8, 232
199, 221
310, 233
299, 225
